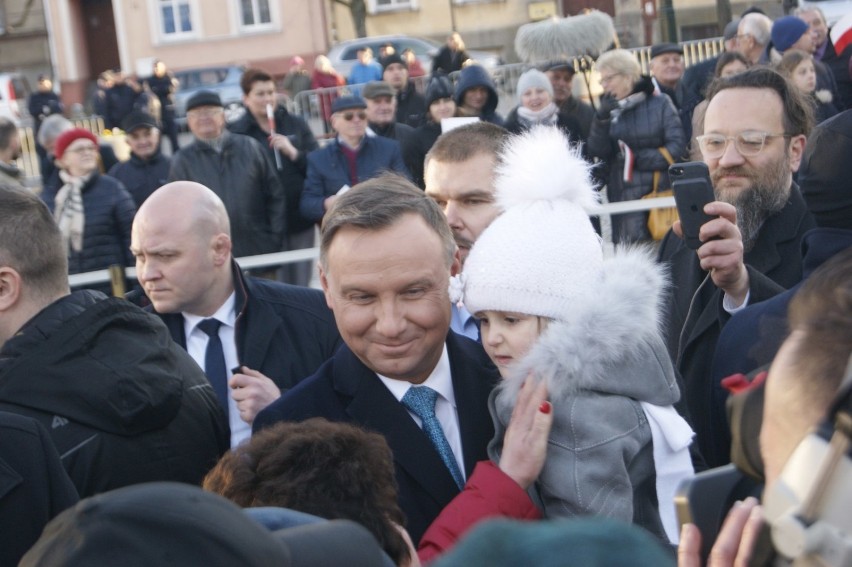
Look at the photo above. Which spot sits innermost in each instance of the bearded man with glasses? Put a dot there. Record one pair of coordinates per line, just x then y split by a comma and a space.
755, 132
351, 157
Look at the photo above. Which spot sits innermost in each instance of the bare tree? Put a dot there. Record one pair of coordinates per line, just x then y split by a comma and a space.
358, 11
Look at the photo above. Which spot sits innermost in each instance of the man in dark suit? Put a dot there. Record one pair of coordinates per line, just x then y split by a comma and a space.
385, 259
272, 335
755, 131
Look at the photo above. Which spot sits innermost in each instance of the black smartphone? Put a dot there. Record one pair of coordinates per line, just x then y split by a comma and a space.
692, 190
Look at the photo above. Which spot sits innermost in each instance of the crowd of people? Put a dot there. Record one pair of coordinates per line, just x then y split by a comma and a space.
474, 352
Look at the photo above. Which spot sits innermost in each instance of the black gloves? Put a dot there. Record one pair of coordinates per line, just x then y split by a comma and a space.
606, 105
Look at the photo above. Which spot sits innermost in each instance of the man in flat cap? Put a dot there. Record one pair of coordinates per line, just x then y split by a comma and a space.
350, 158
237, 169
667, 69
147, 169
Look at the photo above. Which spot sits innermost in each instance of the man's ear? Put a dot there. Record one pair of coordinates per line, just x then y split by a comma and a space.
221, 245
797, 150
323, 278
10, 288
456, 266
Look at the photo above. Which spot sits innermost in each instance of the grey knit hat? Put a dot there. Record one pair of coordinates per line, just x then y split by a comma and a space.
533, 78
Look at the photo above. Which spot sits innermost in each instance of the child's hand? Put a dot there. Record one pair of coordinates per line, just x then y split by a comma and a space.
525, 442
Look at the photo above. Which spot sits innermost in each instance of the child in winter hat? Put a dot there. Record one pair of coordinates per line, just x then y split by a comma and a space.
553, 308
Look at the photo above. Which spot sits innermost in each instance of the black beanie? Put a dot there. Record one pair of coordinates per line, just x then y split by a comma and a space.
439, 87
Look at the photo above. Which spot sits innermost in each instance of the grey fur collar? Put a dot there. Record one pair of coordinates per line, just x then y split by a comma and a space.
612, 344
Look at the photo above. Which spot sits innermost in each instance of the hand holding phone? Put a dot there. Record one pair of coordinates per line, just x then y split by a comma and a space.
692, 190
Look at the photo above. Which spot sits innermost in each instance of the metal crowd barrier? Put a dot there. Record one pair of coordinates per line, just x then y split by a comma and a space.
310, 104
281, 258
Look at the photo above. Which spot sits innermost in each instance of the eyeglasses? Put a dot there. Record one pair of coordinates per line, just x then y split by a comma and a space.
83, 150
608, 78
748, 143
349, 116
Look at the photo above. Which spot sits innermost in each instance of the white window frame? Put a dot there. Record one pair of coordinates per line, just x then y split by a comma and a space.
373, 6
158, 28
271, 25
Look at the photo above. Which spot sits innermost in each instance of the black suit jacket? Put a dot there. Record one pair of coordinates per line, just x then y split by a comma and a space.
773, 264
345, 390
284, 331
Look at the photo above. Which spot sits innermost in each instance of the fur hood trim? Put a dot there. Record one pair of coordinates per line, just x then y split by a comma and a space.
611, 344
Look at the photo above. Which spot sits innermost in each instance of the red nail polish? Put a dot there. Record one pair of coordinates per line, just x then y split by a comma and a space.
545, 407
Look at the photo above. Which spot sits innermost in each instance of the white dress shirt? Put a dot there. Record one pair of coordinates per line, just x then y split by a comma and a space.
196, 346
441, 381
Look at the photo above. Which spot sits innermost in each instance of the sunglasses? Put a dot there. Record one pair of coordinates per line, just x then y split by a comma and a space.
348, 116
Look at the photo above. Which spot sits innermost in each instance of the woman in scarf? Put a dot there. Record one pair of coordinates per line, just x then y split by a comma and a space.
94, 212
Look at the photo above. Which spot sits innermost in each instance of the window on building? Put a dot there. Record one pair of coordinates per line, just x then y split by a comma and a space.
175, 17
255, 13
391, 5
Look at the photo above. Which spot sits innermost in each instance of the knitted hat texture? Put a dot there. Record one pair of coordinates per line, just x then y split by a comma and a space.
541, 256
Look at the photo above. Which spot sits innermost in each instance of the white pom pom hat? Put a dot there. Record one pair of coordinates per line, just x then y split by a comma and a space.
541, 256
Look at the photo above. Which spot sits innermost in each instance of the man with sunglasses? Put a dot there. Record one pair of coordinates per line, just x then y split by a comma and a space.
755, 132
351, 157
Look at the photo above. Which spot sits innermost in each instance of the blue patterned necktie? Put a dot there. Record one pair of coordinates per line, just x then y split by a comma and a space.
214, 361
421, 402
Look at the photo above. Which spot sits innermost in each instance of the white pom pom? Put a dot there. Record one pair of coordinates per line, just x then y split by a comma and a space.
541, 164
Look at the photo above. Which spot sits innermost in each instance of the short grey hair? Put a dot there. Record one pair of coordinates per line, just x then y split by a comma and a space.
52, 127
620, 61
758, 26
377, 204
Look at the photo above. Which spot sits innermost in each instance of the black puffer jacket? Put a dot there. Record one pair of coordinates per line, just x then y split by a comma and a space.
109, 211
243, 177
292, 173
644, 122
122, 402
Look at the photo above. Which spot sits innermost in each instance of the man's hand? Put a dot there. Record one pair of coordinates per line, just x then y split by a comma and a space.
525, 442
282, 144
735, 544
252, 391
722, 250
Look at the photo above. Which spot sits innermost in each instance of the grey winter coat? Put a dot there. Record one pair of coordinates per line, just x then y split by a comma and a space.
644, 122
598, 366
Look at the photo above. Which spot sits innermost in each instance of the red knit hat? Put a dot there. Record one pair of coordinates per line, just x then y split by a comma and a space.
66, 138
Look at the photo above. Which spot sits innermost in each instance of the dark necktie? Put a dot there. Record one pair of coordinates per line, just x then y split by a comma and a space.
214, 361
421, 402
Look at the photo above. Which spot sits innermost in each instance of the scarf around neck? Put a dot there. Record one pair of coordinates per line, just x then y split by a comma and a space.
68, 210
547, 115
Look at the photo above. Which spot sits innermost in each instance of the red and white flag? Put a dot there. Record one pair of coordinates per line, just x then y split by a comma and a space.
841, 33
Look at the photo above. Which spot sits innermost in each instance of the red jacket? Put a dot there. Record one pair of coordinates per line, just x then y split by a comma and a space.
489, 493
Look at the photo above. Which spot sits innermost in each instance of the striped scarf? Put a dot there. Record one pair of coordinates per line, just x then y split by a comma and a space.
68, 210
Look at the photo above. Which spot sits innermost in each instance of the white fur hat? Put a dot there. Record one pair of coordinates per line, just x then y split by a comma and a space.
542, 255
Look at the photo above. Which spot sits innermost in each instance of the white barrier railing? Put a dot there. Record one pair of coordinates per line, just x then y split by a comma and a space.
281, 258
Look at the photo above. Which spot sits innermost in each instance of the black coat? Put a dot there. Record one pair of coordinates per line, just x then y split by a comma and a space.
41, 105
753, 336
120, 101
644, 126
422, 140
242, 176
122, 402
410, 106
142, 177
109, 211
286, 332
292, 173
345, 390
33, 485
773, 264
